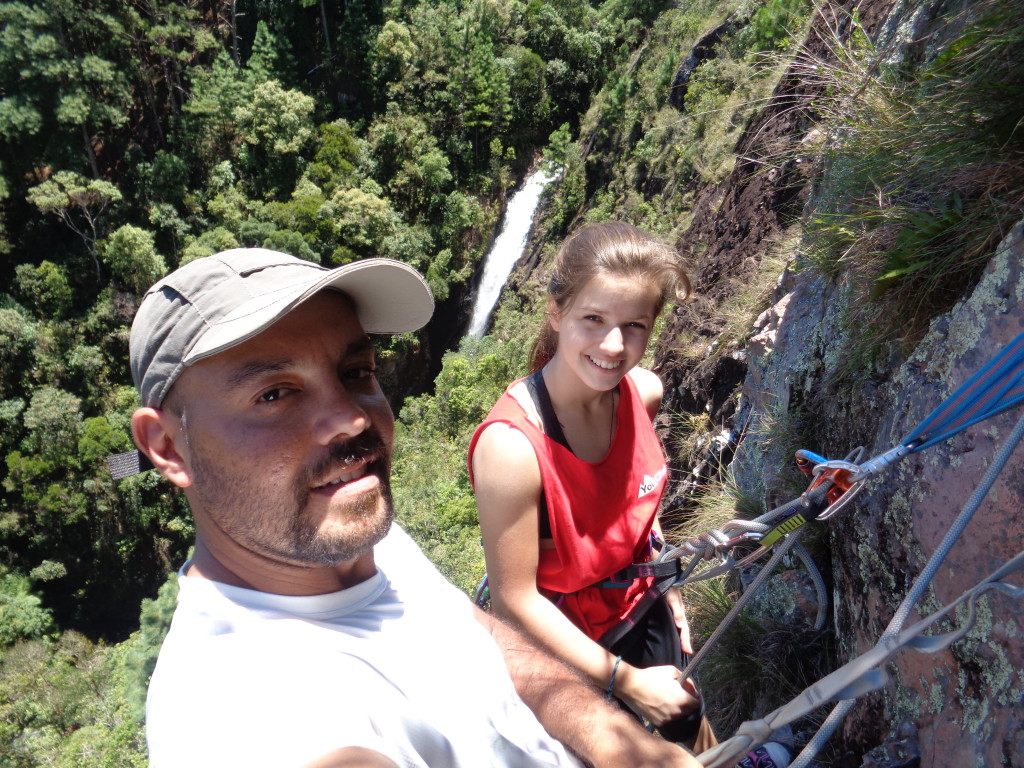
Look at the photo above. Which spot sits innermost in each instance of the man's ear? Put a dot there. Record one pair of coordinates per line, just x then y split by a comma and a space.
156, 432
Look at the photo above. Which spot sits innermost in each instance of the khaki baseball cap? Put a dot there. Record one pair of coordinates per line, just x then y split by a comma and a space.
211, 304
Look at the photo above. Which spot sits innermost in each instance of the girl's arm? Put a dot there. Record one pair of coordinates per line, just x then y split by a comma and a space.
651, 392
508, 486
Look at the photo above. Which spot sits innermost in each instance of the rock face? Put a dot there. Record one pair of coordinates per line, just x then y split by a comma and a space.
961, 707
968, 703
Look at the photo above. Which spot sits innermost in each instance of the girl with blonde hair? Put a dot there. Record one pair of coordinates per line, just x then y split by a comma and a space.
568, 474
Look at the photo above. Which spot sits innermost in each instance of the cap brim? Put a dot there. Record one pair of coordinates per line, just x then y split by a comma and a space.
390, 297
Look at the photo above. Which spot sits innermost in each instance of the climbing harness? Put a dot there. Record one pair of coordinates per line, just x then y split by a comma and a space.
482, 597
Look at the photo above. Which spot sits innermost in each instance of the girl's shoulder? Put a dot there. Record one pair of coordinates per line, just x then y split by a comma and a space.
502, 455
519, 392
648, 387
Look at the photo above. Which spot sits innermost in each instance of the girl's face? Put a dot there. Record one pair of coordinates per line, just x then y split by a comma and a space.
603, 333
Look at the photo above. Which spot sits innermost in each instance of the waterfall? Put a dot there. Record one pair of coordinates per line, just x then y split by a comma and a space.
507, 248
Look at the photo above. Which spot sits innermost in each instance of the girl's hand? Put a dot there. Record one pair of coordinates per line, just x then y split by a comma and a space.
656, 693
675, 602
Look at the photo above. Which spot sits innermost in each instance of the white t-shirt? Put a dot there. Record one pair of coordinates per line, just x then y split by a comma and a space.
396, 664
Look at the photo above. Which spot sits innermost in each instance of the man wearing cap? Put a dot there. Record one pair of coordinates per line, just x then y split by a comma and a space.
310, 631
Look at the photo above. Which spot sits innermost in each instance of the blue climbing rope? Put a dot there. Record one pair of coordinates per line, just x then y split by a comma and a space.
999, 385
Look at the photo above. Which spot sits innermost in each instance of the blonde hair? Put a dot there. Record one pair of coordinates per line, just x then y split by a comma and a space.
615, 249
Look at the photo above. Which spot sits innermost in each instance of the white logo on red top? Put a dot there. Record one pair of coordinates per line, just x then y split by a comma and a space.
650, 483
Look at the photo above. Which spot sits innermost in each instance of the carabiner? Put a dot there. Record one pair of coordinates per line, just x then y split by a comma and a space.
806, 459
883, 461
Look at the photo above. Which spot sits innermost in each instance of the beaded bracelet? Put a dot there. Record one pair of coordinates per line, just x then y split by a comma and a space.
611, 683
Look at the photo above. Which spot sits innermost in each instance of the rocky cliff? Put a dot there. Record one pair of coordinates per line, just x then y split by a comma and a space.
964, 707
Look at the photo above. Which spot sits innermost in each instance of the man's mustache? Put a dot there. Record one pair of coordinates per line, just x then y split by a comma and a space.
359, 448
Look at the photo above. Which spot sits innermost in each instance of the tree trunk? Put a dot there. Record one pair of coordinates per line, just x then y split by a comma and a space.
234, 34
327, 33
87, 139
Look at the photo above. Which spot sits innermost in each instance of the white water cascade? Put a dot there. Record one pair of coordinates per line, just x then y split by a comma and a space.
507, 248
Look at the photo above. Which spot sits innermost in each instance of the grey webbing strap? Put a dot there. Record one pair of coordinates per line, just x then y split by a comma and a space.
999, 461
124, 465
789, 542
861, 675
717, 543
748, 595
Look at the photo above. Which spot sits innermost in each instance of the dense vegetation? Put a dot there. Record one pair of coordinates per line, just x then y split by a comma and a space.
138, 136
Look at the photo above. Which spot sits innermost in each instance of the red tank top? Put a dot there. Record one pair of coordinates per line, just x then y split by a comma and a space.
601, 512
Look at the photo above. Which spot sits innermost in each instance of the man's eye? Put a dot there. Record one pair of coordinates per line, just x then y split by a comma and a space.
272, 395
362, 372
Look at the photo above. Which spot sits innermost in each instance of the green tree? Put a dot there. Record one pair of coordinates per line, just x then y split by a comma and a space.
62, 72
130, 252
393, 55
263, 61
481, 84
17, 341
169, 37
24, 40
53, 422
410, 164
78, 202
210, 242
45, 288
528, 97
22, 615
97, 100
144, 647
209, 131
364, 219
5, 245
275, 127
64, 704
337, 154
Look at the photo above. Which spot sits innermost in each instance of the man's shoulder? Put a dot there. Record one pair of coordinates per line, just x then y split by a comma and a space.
411, 574
398, 553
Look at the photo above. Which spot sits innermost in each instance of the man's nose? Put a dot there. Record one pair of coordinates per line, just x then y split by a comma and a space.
339, 415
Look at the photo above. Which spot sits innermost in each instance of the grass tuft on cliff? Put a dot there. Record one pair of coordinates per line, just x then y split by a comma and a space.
923, 167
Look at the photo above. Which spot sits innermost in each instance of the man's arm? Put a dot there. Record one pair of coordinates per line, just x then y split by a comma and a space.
575, 712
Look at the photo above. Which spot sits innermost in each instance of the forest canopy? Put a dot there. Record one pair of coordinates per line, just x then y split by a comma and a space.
139, 136
135, 137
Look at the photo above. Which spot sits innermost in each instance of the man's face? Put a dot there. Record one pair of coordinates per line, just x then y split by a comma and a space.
288, 438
